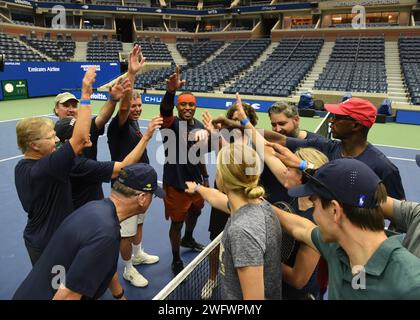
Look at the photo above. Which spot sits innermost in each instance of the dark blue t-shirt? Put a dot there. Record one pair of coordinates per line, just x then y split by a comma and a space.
44, 189
86, 246
86, 179
178, 167
371, 156
92, 151
122, 140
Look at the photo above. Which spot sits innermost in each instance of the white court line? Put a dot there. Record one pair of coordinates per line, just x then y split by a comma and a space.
385, 145
402, 159
48, 115
17, 119
11, 158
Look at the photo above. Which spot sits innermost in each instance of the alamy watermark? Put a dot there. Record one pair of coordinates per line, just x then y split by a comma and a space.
59, 278
358, 282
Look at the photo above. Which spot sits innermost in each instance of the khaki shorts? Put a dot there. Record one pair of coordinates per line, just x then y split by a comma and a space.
129, 226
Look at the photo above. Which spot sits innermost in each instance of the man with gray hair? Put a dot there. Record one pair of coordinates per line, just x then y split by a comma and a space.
81, 258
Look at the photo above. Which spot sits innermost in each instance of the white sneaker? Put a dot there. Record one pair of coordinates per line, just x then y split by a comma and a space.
144, 258
135, 278
207, 290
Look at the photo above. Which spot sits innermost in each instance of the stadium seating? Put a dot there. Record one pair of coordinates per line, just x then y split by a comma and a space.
234, 59
357, 65
62, 50
282, 72
303, 26
15, 51
151, 78
103, 50
198, 52
23, 23
155, 50
409, 59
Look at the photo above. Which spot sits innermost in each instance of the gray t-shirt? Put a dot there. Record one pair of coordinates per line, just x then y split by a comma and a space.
407, 217
252, 237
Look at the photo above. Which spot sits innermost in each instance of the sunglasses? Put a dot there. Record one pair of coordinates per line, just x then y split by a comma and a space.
307, 177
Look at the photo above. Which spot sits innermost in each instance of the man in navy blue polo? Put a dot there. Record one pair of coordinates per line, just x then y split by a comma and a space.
124, 134
42, 176
81, 258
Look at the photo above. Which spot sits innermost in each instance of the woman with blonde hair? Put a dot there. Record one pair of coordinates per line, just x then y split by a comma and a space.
250, 255
299, 269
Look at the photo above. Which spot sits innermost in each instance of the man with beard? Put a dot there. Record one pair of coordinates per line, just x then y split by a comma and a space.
285, 119
178, 168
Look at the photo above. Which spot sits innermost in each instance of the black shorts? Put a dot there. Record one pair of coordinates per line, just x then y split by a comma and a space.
218, 221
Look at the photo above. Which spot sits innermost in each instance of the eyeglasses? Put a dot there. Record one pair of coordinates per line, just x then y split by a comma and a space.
46, 138
308, 177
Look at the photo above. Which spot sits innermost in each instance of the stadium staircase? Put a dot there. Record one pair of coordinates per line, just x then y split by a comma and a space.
179, 60
80, 51
396, 88
309, 82
257, 62
33, 49
214, 55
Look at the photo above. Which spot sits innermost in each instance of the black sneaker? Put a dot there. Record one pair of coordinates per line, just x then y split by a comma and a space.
192, 244
177, 266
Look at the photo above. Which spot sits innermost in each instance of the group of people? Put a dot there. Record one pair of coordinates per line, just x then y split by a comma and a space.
339, 193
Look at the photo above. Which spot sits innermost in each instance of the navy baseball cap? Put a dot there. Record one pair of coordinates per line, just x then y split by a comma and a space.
64, 128
141, 177
348, 181
418, 159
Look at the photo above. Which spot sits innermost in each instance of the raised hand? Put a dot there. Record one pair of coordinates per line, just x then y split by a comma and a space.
200, 135
154, 124
134, 65
191, 187
208, 122
120, 88
286, 156
239, 108
174, 81
87, 83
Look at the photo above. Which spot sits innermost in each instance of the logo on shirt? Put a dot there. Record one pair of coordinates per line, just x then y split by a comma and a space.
362, 200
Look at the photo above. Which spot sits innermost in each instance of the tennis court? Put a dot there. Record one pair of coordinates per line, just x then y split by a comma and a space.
399, 142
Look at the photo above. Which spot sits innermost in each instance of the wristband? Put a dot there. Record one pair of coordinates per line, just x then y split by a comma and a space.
302, 165
85, 102
244, 122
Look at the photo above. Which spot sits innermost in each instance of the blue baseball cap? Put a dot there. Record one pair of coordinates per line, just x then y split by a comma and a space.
418, 159
64, 128
141, 177
348, 181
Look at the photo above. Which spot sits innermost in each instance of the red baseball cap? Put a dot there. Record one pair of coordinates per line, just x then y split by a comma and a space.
359, 109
